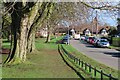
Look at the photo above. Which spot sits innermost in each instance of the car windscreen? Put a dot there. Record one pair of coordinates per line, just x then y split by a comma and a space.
65, 39
103, 41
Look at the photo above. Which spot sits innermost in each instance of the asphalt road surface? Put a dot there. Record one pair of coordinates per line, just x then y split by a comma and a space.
0, 58
106, 56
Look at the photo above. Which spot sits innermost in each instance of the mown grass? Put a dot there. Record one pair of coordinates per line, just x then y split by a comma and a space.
50, 45
71, 63
45, 62
90, 61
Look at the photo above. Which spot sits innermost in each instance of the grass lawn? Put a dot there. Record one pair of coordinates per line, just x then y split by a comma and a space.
92, 62
46, 62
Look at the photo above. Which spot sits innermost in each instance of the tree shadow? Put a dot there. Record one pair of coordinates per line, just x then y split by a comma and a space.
91, 46
83, 42
7, 41
80, 76
113, 54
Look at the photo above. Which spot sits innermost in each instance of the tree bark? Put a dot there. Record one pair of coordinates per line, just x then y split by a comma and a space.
48, 33
48, 37
19, 50
24, 24
31, 43
21, 23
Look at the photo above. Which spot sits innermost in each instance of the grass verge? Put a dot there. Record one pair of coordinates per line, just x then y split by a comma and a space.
90, 61
43, 63
81, 73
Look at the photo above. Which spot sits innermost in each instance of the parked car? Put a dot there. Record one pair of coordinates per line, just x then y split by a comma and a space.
117, 35
86, 38
103, 43
95, 41
65, 40
91, 40
77, 36
82, 37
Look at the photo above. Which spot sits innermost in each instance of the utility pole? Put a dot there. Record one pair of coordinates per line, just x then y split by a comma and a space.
92, 25
96, 23
68, 26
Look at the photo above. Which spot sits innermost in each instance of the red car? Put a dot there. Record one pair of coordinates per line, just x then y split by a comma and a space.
91, 40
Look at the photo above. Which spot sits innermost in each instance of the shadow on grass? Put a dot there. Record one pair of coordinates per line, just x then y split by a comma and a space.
6, 41
82, 78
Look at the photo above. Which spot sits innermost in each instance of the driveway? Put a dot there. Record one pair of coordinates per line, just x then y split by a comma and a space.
106, 56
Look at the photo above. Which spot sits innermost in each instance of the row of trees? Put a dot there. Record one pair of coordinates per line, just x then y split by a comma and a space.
25, 17
22, 19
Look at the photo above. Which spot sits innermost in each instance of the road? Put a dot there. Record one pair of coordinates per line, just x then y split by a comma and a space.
106, 56
0, 58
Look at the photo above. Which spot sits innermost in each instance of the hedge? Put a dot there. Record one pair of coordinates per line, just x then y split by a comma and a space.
116, 41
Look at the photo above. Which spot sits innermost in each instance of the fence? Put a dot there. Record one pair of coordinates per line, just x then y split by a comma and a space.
88, 67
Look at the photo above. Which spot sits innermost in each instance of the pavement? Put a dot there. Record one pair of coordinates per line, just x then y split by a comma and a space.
106, 56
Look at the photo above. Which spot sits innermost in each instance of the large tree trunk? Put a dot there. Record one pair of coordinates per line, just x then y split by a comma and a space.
48, 33
21, 23
31, 43
48, 37
19, 49
23, 27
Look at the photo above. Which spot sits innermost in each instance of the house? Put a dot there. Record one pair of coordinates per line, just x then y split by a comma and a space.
42, 33
87, 32
104, 32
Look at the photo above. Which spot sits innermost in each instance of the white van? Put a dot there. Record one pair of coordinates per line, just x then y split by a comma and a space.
76, 36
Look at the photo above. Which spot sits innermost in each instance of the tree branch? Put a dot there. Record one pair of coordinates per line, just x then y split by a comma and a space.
102, 7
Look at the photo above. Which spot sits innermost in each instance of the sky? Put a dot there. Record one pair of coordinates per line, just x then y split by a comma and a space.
105, 17
108, 18
112, 22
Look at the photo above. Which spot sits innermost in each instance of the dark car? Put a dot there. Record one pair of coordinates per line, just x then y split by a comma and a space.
95, 41
65, 40
86, 38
